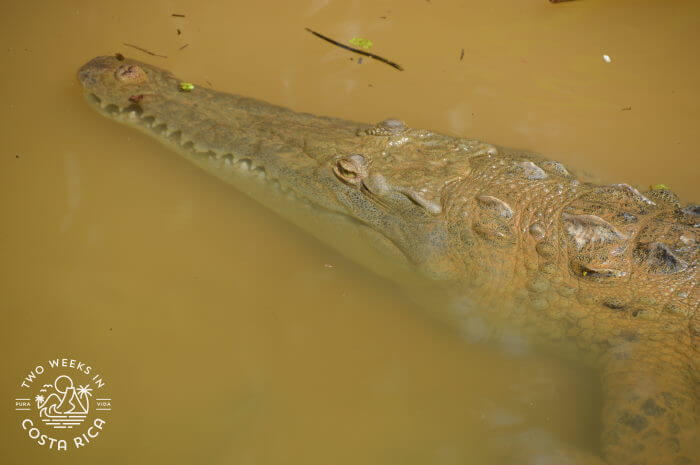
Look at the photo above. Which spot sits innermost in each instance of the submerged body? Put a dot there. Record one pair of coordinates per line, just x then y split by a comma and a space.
605, 274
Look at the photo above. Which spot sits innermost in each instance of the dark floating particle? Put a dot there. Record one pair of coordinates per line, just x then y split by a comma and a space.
145, 50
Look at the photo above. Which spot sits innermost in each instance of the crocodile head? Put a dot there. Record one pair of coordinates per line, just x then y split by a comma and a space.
457, 209
379, 185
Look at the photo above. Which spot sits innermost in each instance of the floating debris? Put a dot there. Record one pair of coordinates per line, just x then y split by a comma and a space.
626, 109
361, 52
461, 55
607, 59
186, 86
361, 43
659, 187
177, 15
184, 46
145, 51
178, 31
119, 56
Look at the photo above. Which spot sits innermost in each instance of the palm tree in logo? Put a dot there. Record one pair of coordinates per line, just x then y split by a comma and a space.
83, 393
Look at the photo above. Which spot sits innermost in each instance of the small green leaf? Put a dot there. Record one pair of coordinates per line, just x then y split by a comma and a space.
361, 43
659, 187
186, 86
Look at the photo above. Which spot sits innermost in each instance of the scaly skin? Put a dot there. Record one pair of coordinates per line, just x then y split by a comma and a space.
603, 273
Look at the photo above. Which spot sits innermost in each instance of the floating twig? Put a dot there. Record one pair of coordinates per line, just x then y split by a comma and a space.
145, 51
177, 15
361, 52
461, 55
184, 46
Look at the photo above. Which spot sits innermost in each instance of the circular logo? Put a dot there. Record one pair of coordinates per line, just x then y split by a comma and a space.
63, 404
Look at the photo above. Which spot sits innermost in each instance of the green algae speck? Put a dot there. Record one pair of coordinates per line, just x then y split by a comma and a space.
361, 43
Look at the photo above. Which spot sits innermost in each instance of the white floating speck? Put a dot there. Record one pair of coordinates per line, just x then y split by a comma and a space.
606, 58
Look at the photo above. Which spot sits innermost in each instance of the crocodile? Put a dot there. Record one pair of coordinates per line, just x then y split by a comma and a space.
603, 273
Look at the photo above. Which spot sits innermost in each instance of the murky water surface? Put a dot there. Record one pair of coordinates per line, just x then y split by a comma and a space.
228, 336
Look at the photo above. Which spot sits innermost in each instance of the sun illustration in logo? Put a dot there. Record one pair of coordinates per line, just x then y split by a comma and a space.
61, 405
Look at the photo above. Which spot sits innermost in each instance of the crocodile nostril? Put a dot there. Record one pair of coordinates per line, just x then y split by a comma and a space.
131, 74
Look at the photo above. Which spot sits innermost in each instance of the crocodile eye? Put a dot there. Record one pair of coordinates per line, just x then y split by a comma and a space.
351, 170
130, 74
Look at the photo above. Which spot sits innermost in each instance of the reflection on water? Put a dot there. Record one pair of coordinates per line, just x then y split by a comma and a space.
230, 337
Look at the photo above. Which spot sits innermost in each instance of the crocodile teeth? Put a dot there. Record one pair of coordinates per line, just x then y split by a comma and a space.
148, 120
135, 113
219, 154
201, 148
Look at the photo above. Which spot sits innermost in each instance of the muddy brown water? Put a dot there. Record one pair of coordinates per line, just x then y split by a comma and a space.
228, 336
